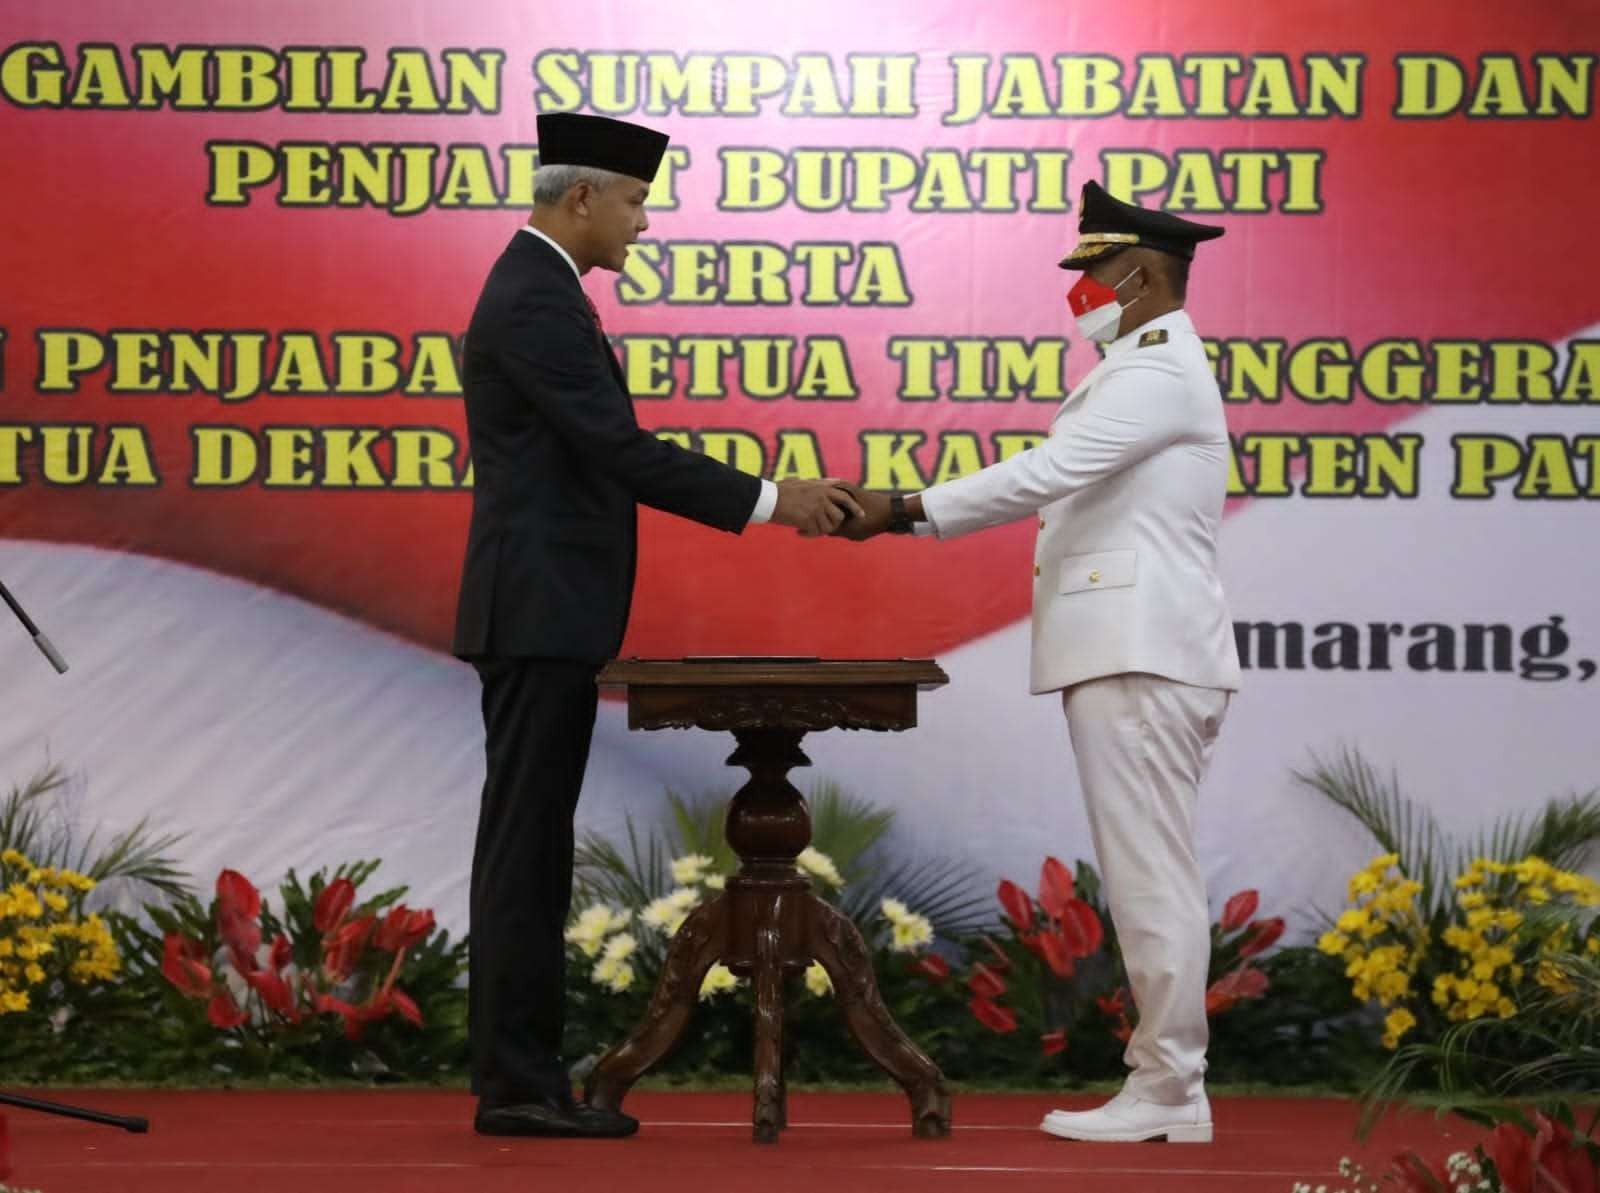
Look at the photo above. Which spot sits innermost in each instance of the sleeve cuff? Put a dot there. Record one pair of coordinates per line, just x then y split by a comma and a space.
765, 504
927, 527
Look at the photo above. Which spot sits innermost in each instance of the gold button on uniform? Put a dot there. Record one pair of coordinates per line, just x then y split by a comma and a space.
1035, 569
1094, 577
1041, 523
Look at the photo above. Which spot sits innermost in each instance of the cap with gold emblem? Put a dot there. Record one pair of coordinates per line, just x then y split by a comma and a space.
1107, 225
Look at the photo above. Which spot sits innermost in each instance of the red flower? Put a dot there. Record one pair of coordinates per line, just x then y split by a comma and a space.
992, 1015
402, 928
407, 1007
238, 905
931, 966
328, 1005
1233, 987
1055, 888
1237, 911
333, 904
223, 1011
342, 948
1053, 1042
1550, 1161
1057, 955
1123, 1030
1262, 936
1081, 929
274, 991
985, 983
243, 938
183, 963
1018, 907
235, 895
282, 953
1113, 1006
1511, 1149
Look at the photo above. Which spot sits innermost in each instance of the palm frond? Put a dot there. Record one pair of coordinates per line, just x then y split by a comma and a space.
697, 827
44, 834
602, 872
845, 827
1399, 825
1564, 833
944, 891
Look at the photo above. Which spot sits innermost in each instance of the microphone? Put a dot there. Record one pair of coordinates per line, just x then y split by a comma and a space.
46, 647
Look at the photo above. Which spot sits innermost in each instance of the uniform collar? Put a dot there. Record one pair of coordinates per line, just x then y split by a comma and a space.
1171, 322
532, 231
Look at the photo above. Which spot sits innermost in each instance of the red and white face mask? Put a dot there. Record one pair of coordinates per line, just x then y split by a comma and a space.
1096, 309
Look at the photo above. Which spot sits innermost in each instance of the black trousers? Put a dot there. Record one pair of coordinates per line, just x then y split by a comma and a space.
538, 719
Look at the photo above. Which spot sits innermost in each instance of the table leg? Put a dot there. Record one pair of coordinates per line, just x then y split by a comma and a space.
770, 1112
841, 951
696, 947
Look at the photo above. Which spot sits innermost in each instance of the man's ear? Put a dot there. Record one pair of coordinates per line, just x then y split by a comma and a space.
579, 198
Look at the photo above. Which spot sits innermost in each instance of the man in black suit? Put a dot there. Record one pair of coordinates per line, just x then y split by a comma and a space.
560, 464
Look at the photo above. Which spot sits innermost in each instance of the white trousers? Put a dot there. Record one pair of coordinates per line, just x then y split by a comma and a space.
1142, 745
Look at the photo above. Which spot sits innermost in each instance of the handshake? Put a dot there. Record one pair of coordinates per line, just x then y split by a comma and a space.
831, 507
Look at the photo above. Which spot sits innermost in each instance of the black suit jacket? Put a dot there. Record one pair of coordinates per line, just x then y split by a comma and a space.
559, 463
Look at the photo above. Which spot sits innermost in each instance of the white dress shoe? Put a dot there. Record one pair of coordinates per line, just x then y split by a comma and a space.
1128, 1119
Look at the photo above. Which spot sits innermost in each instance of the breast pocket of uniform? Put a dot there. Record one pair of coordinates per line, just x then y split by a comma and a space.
1099, 569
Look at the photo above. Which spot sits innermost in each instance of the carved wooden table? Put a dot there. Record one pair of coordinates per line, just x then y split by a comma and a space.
767, 925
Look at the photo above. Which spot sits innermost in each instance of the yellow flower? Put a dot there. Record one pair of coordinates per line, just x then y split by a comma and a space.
1473, 901
56, 903
817, 980
1333, 943
12, 858
1505, 1008
1400, 1021
718, 978
34, 973
1352, 921
13, 1000
1362, 884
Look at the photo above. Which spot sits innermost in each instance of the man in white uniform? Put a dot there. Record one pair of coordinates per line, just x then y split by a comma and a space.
1129, 625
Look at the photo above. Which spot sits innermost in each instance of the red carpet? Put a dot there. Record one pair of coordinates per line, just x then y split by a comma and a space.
422, 1142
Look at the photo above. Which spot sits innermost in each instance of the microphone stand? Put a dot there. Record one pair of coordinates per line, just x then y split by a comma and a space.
134, 1124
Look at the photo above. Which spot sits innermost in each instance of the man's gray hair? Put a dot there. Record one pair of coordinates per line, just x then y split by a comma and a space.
551, 182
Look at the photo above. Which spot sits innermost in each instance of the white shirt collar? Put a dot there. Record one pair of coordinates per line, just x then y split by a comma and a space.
1177, 320
532, 231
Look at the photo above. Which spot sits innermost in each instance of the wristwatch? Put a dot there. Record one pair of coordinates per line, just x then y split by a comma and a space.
899, 519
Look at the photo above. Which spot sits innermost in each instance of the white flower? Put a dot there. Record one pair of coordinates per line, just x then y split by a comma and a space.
715, 882
814, 861
592, 926
686, 871
817, 980
620, 947
910, 934
667, 913
893, 910
615, 975
718, 978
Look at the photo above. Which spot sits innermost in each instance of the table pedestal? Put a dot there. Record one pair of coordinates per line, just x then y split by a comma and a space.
768, 926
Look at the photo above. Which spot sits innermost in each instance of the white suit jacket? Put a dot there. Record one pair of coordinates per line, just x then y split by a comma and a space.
1128, 490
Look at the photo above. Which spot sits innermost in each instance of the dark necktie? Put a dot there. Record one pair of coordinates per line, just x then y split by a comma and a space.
599, 327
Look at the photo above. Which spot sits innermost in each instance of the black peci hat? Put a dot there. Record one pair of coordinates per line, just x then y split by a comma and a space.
570, 139
1107, 225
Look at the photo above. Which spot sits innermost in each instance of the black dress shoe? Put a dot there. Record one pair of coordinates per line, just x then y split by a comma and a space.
553, 1119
